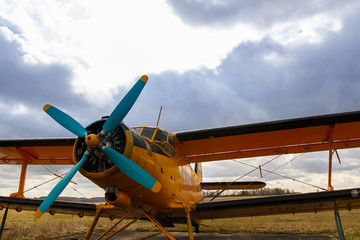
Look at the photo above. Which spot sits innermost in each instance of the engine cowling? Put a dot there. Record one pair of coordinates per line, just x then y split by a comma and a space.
98, 163
100, 170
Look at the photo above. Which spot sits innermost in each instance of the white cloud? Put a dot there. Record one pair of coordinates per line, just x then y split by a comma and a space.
110, 46
309, 30
207, 70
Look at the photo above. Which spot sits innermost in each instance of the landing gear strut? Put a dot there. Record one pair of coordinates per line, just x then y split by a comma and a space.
143, 213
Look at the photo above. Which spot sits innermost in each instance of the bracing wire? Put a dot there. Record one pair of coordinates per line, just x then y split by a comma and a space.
52, 179
280, 175
227, 185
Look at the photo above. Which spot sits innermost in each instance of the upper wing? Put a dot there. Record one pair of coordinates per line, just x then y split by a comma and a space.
294, 203
37, 151
307, 134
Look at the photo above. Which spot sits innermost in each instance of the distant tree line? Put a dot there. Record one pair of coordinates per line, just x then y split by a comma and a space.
256, 192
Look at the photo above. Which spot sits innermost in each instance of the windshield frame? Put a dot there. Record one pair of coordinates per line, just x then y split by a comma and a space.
159, 137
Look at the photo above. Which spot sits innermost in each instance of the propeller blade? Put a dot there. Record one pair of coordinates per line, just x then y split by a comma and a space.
65, 120
132, 170
59, 188
124, 106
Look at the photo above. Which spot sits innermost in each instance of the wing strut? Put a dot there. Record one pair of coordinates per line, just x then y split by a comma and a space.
338, 223
188, 222
26, 159
153, 220
3, 221
330, 140
20, 192
93, 223
102, 207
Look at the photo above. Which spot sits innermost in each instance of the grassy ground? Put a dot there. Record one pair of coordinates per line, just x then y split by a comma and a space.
23, 226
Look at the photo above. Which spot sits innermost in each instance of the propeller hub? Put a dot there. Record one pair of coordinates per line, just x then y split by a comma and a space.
92, 140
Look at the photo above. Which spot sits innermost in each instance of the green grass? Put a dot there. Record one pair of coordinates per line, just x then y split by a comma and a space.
23, 225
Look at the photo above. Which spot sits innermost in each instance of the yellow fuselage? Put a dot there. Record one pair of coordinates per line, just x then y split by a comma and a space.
180, 184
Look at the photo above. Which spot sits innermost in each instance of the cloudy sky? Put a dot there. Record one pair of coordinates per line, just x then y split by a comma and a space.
210, 63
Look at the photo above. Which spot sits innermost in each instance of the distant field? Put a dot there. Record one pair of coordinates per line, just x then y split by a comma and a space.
23, 225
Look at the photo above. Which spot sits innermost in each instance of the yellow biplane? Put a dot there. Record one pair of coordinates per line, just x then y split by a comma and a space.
146, 172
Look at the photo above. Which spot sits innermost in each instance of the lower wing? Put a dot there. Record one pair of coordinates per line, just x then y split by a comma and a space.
62, 207
292, 203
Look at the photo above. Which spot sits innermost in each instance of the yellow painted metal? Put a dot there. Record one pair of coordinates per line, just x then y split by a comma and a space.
298, 140
93, 223
92, 140
160, 144
117, 223
269, 151
157, 224
20, 192
189, 224
122, 200
179, 182
122, 228
156, 188
157, 124
46, 107
144, 78
44, 155
38, 214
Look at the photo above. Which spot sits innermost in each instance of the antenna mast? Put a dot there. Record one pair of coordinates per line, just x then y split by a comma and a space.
157, 124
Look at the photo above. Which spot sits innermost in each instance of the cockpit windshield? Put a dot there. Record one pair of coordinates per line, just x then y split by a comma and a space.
159, 137
148, 132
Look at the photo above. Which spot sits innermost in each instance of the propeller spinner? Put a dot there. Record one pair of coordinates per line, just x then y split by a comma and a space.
123, 163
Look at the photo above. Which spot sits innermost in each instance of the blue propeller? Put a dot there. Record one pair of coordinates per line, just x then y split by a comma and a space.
132, 170
65, 120
125, 105
123, 163
56, 191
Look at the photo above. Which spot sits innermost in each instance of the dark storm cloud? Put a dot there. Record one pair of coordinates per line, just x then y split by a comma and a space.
30, 85
308, 79
193, 99
260, 13
260, 81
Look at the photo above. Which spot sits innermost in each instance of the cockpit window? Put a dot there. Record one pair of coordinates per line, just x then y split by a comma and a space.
137, 129
148, 132
169, 149
171, 141
160, 136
